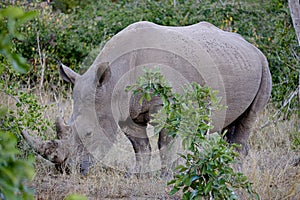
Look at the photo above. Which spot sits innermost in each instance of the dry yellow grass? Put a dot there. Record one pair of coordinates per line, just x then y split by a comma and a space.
272, 166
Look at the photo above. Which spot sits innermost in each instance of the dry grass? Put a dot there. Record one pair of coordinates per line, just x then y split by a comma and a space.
99, 184
272, 166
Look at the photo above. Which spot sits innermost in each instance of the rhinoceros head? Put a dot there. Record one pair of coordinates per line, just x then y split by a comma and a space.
69, 148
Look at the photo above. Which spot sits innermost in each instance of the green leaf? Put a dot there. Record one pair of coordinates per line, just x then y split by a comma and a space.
19, 63
129, 88
196, 177
141, 100
12, 12
26, 17
76, 197
178, 167
208, 187
174, 190
186, 195
9, 174
148, 96
187, 180
3, 111
171, 182
11, 25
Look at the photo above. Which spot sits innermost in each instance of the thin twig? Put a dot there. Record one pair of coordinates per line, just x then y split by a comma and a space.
42, 62
281, 83
210, 195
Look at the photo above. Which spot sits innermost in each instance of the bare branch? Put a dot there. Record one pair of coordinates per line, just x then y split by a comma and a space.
42, 62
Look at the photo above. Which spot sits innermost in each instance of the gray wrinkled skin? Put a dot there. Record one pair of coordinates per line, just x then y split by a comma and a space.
200, 53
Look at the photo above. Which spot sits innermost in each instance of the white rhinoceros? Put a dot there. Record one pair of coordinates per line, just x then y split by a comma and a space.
199, 53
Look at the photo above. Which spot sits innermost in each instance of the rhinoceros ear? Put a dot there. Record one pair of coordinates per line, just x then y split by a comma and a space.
68, 74
103, 73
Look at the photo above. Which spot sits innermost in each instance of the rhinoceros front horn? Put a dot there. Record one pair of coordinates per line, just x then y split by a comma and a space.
62, 130
56, 151
33, 142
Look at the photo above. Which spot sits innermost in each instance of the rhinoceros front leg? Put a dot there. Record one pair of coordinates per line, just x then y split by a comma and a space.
137, 135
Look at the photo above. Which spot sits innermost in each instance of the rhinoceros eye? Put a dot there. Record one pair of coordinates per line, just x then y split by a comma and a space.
88, 133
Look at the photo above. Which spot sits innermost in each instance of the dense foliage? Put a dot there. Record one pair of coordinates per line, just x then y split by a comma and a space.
10, 19
207, 171
14, 171
75, 34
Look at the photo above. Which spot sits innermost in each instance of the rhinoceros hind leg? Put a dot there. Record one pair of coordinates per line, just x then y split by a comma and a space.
239, 131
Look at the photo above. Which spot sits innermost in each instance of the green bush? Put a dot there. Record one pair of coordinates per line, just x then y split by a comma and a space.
10, 18
207, 170
28, 112
14, 171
